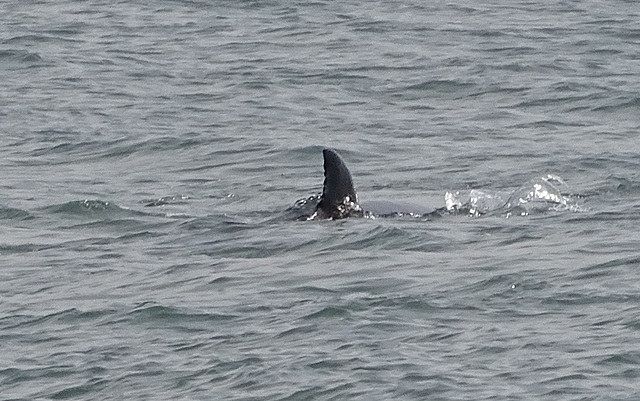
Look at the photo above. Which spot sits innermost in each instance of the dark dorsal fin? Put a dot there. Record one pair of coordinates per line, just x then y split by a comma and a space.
338, 195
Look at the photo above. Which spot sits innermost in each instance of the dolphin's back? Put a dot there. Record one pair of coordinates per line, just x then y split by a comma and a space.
390, 208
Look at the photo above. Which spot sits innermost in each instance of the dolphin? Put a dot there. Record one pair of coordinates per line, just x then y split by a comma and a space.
339, 199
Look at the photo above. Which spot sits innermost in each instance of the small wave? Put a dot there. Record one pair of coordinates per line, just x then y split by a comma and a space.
329, 312
94, 213
9, 213
67, 316
63, 148
95, 208
22, 248
381, 236
87, 207
12, 57
539, 195
442, 86
150, 312
166, 200
623, 185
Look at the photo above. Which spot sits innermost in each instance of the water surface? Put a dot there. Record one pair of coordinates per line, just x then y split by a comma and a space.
147, 146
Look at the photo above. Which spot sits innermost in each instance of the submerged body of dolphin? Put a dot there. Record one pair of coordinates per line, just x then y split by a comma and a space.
339, 199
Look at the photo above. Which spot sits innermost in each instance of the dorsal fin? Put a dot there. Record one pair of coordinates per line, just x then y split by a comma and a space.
339, 199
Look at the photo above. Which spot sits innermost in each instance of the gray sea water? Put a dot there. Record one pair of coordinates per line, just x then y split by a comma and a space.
149, 149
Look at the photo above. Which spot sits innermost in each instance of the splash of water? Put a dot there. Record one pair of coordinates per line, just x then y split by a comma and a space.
538, 195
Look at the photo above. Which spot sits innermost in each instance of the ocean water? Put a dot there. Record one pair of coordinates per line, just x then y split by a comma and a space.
149, 151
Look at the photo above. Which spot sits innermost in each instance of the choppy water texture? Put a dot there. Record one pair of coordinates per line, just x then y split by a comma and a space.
146, 147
